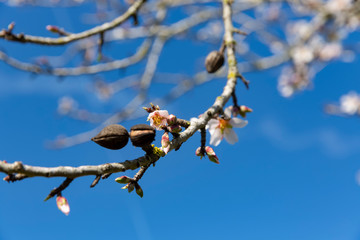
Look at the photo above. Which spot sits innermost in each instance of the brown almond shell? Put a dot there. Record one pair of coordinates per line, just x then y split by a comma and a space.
112, 137
142, 135
214, 61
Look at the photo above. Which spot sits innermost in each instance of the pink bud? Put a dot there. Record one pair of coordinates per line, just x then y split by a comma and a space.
63, 205
123, 179
52, 28
165, 142
199, 153
211, 154
175, 128
171, 119
243, 110
11, 26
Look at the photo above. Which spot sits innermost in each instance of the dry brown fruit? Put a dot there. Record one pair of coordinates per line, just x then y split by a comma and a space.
214, 61
112, 137
142, 135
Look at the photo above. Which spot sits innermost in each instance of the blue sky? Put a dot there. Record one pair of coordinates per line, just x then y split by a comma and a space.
291, 176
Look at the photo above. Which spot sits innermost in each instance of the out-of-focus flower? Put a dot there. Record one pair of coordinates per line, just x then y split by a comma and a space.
335, 6
211, 154
158, 119
66, 105
223, 128
63, 205
302, 55
165, 142
298, 30
350, 103
330, 51
294, 79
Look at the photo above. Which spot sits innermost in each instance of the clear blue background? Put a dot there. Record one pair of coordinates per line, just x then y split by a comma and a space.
291, 176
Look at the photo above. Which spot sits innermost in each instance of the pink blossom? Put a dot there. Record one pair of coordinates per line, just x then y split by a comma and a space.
63, 205
158, 119
223, 128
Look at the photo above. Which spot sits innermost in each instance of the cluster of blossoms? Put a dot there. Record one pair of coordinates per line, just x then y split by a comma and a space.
222, 127
162, 120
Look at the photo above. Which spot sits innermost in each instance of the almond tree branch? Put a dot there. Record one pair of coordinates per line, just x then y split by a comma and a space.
83, 70
74, 172
8, 35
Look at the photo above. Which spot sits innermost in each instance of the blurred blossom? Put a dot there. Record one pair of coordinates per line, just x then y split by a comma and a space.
330, 51
299, 29
103, 90
350, 103
66, 104
293, 79
336, 6
211, 31
302, 54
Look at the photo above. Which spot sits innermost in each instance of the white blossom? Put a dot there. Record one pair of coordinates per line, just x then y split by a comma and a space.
223, 128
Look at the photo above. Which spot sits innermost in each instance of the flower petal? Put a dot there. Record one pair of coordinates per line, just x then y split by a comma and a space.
228, 111
216, 137
238, 123
230, 136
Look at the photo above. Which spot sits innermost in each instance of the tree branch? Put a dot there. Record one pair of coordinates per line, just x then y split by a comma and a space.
8, 35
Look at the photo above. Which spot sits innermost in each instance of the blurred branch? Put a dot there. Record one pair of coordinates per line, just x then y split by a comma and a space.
8, 35
83, 70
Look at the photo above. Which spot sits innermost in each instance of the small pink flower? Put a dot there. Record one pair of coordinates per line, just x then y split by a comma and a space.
63, 205
223, 128
158, 119
211, 154
165, 142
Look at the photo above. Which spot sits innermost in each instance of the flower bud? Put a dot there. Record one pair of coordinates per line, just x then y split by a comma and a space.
63, 205
171, 120
214, 61
174, 128
165, 142
142, 135
199, 153
52, 28
243, 110
123, 179
112, 137
211, 154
